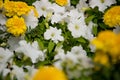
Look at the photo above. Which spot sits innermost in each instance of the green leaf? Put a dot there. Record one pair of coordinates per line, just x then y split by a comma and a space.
7, 77
88, 19
41, 44
81, 40
74, 2
94, 30
51, 46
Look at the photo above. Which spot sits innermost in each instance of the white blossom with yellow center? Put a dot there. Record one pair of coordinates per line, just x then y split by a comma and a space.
54, 34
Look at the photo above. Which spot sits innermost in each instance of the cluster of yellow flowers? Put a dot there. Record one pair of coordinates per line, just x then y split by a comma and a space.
49, 73
14, 10
61, 2
108, 48
15, 24
112, 16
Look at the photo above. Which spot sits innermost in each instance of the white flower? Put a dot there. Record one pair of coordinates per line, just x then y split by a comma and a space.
31, 71
102, 5
75, 54
31, 20
78, 50
75, 14
18, 72
31, 50
5, 72
13, 42
53, 34
3, 28
5, 56
77, 28
60, 56
42, 7
82, 5
56, 18
116, 30
74, 61
2, 19
88, 34
57, 9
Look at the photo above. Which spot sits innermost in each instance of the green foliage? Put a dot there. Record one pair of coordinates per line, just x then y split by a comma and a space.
96, 16
29, 2
51, 46
107, 73
21, 60
94, 30
74, 2
4, 36
37, 34
118, 2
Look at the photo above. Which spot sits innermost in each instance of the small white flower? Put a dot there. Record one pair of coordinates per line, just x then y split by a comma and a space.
18, 72
82, 5
78, 50
116, 30
88, 34
60, 53
5, 56
57, 9
75, 14
56, 18
31, 51
13, 42
42, 7
75, 61
77, 28
30, 20
5, 72
53, 34
102, 5
2, 19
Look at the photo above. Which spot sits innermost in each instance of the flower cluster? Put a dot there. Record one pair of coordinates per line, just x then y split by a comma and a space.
12, 8
15, 10
107, 46
59, 39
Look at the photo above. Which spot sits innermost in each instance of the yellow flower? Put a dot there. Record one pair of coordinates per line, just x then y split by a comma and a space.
49, 73
105, 40
12, 8
108, 42
101, 58
16, 26
112, 16
1, 4
98, 44
61, 2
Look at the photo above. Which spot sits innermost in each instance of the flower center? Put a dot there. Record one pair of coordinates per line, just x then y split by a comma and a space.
77, 27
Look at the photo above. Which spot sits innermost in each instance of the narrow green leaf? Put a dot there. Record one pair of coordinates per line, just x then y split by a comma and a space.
94, 30
51, 46
82, 40
88, 19
41, 44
